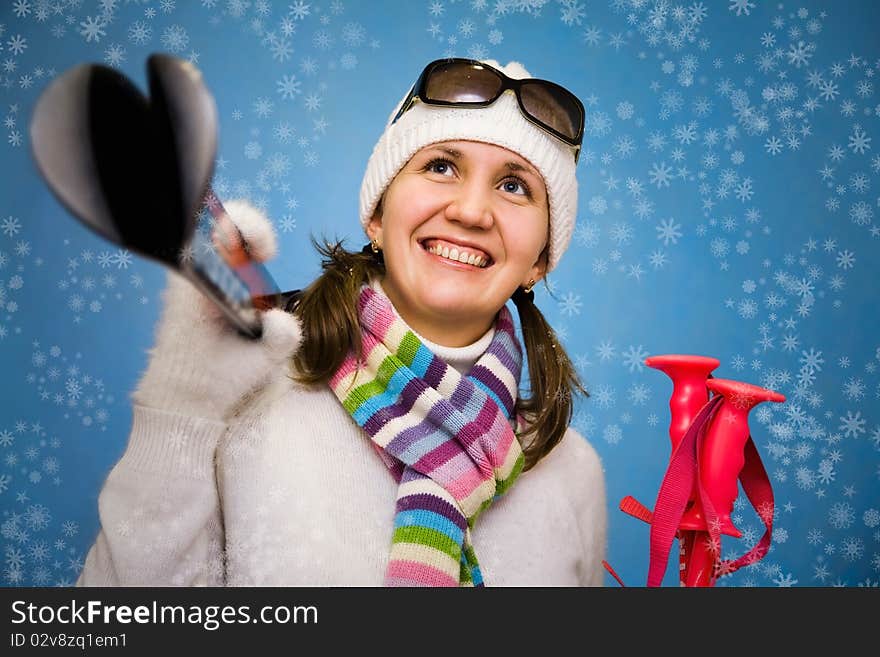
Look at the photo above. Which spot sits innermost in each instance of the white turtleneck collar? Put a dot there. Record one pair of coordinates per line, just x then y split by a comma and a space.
461, 358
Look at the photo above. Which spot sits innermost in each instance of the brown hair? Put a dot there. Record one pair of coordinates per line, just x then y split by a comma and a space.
327, 309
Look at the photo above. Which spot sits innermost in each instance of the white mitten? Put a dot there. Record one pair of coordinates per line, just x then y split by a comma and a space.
199, 364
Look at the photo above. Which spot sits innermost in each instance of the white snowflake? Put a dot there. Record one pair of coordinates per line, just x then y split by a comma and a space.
634, 358
92, 29
11, 226
17, 44
289, 86
660, 175
571, 304
175, 38
300, 10
281, 49
859, 142
668, 231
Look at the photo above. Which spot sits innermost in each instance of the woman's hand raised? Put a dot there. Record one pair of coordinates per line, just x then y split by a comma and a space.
199, 364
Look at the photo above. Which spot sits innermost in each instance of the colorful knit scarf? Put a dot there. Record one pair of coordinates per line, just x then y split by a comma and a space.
449, 440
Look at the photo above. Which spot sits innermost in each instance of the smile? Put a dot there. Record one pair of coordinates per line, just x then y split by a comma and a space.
454, 256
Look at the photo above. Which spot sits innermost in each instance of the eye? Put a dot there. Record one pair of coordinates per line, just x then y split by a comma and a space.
510, 185
438, 165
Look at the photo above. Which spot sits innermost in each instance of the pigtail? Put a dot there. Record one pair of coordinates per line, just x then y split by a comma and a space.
553, 379
328, 311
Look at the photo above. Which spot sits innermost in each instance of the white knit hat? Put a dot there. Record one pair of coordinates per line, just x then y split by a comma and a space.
502, 124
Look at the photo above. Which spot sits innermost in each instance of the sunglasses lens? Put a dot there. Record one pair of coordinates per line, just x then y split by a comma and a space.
460, 82
554, 107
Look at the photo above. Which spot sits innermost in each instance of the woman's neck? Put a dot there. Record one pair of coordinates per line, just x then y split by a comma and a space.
449, 331
461, 358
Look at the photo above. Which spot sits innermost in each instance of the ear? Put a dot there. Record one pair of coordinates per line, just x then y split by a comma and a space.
374, 225
539, 269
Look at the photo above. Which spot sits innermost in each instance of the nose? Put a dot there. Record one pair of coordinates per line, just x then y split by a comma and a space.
471, 205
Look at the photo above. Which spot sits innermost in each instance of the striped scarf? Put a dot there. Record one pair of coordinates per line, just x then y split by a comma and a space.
449, 440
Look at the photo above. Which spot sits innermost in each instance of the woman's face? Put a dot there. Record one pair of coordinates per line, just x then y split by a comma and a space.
478, 198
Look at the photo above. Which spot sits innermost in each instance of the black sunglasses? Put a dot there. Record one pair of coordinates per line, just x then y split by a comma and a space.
458, 82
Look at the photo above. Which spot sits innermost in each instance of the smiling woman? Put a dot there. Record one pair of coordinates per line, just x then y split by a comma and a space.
460, 198
399, 414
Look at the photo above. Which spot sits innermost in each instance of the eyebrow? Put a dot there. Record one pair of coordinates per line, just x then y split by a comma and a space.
510, 165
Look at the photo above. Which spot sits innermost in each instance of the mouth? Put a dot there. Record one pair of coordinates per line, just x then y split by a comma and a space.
457, 257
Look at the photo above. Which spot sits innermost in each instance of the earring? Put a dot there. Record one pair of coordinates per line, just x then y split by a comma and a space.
375, 244
524, 294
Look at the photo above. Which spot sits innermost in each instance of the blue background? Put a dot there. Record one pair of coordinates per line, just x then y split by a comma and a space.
729, 188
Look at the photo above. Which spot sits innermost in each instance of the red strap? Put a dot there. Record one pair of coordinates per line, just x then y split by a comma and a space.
756, 485
611, 571
713, 523
675, 491
636, 509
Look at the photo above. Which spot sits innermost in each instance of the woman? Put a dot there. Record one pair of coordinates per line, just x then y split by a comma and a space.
376, 433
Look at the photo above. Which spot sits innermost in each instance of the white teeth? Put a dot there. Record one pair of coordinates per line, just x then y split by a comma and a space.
460, 256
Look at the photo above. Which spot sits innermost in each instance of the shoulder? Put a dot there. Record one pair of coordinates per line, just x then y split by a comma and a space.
279, 391
575, 457
575, 467
573, 474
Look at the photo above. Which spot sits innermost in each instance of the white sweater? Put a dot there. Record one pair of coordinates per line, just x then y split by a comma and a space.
291, 493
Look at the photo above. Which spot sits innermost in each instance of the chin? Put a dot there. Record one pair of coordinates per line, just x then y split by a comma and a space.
454, 299
460, 303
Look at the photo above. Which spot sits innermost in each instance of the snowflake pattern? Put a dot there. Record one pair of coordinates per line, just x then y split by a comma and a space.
681, 177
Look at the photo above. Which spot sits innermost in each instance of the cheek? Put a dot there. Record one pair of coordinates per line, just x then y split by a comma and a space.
408, 206
525, 235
